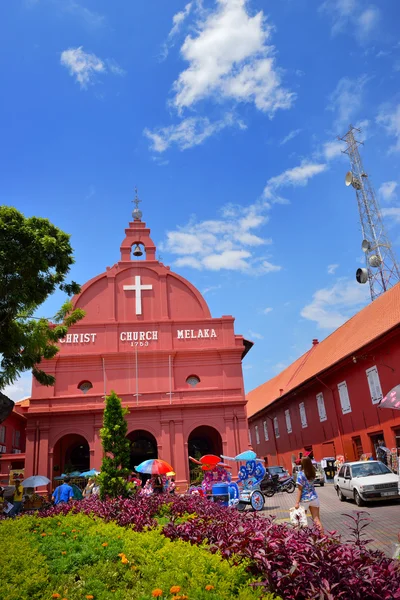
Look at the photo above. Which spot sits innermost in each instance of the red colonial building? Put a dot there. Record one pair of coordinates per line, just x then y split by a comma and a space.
148, 335
327, 401
12, 443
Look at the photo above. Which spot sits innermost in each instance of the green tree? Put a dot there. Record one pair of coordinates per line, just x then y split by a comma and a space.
35, 258
115, 466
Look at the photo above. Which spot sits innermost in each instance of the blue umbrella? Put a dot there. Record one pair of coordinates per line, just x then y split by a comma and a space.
246, 455
91, 473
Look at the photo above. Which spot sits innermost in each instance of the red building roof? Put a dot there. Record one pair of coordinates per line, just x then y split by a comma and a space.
370, 323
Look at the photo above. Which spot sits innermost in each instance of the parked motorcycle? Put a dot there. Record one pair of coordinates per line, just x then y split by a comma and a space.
272, 485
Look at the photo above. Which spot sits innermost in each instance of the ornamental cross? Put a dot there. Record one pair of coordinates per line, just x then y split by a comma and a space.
137, 288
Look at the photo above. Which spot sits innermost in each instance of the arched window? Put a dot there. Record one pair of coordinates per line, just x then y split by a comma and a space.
193, 380
85, 386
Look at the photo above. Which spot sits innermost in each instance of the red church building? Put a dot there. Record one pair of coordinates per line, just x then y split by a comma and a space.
148, 335
327, 401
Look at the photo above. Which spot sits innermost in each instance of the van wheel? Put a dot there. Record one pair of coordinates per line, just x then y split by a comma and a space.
322, 483
358, 499
341, 497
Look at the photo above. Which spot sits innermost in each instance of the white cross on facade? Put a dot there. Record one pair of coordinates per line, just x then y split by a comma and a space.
137, 288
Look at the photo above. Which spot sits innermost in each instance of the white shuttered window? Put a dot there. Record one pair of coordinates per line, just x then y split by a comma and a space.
303, 416
276, 427
344, 398
257, 435
250, 437
288, 421
266, 436
321, 408
374, 385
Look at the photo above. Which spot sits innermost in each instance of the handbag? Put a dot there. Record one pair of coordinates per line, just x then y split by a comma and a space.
298, 517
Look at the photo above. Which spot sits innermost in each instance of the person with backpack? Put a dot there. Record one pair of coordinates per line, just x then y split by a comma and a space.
63, 493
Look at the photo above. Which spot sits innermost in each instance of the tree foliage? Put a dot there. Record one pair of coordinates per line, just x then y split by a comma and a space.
116, 447
35, 258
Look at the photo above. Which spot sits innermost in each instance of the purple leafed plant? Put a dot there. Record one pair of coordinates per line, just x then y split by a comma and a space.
294, 563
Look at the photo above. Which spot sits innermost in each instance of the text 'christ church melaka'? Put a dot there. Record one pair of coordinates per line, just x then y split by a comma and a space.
148, 335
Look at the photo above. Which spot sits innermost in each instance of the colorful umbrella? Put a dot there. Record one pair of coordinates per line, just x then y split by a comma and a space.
171, 474
154, 466
392, 399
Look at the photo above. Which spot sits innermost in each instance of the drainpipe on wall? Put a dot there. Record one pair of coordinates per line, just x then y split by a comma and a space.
336, 412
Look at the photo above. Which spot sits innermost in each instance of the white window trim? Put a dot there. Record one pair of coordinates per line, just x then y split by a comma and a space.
266, 436
343, 386
375, 385
303, 415
250, 437
257, 434
288, 421
276, 427
321, 401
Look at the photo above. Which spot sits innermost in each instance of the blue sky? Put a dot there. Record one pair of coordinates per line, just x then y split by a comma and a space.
225, 114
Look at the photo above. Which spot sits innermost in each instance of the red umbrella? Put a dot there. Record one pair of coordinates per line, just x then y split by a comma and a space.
210, 459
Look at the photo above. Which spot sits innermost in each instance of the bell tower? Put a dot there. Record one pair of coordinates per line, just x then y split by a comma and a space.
137, 238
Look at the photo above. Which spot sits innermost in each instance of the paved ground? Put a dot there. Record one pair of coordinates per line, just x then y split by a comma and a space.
385, 516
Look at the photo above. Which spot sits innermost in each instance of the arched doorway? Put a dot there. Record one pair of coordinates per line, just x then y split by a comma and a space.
202, 440
143, 447
71, 454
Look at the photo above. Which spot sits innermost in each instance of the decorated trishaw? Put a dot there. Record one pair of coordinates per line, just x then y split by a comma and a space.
249, 480
218, 486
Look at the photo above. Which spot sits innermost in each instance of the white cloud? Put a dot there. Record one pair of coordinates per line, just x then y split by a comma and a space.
190, 132
294, 177
211, 288
331, 269
389, 117
368, 20
20, 389
85, 66
290, 136
255, 335
387, 191
177, 23
333, 149
267, 267
392, 213
352, 16
229, 243
346, 101
90, 17
229, 58
267, 310
331, 307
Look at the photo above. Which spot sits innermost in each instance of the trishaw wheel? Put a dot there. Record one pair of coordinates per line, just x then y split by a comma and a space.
241, 506
257, 501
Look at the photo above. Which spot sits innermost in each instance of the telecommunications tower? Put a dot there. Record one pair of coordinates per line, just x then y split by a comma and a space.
382, 270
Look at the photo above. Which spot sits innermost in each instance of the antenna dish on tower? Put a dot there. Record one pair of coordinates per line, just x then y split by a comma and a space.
362, 275
366, 246
375, 261
351, 180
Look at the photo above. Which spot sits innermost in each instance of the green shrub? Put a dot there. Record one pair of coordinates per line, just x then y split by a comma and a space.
77, 556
